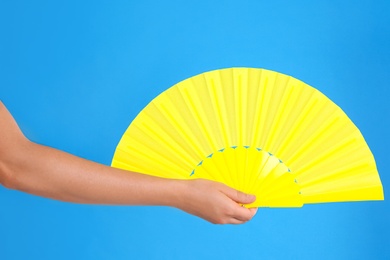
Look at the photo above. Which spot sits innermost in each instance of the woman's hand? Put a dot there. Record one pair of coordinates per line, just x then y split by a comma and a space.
215, 202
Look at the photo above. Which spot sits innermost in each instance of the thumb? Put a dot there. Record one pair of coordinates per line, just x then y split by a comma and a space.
239, 197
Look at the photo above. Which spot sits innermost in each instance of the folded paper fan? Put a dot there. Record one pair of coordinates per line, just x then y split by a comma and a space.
257, 131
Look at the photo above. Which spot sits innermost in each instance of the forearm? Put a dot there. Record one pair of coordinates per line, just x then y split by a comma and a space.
48, 172
52, 173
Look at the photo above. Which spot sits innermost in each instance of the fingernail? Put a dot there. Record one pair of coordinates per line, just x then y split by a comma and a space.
255, 212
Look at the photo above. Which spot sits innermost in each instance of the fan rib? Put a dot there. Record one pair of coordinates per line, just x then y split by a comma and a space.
180, 132
219, 104
276, 122
326, 156
199, 119
259, 112
309, 137
251, 101
184, 128
174, 151
354, 171
294, 128
169, 155
260, 174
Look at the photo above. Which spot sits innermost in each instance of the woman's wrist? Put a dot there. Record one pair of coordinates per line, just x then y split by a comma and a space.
175, 193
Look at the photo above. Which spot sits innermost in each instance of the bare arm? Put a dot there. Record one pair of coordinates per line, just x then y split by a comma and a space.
48, 172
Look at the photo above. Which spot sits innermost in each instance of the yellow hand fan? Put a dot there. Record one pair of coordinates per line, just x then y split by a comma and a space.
257, 131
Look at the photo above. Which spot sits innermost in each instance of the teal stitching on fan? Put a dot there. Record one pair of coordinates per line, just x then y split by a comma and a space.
234, 147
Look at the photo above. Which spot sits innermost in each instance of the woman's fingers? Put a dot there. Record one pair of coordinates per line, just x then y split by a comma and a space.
242, 213
216, 202
238, 214
238, 219
238, 196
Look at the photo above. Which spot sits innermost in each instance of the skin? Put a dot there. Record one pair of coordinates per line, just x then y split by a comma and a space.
44, 171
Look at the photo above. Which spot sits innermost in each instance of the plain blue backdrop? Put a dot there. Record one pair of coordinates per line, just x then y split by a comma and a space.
75, 73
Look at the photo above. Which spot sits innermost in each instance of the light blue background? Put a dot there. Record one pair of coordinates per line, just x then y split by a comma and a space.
75, 73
